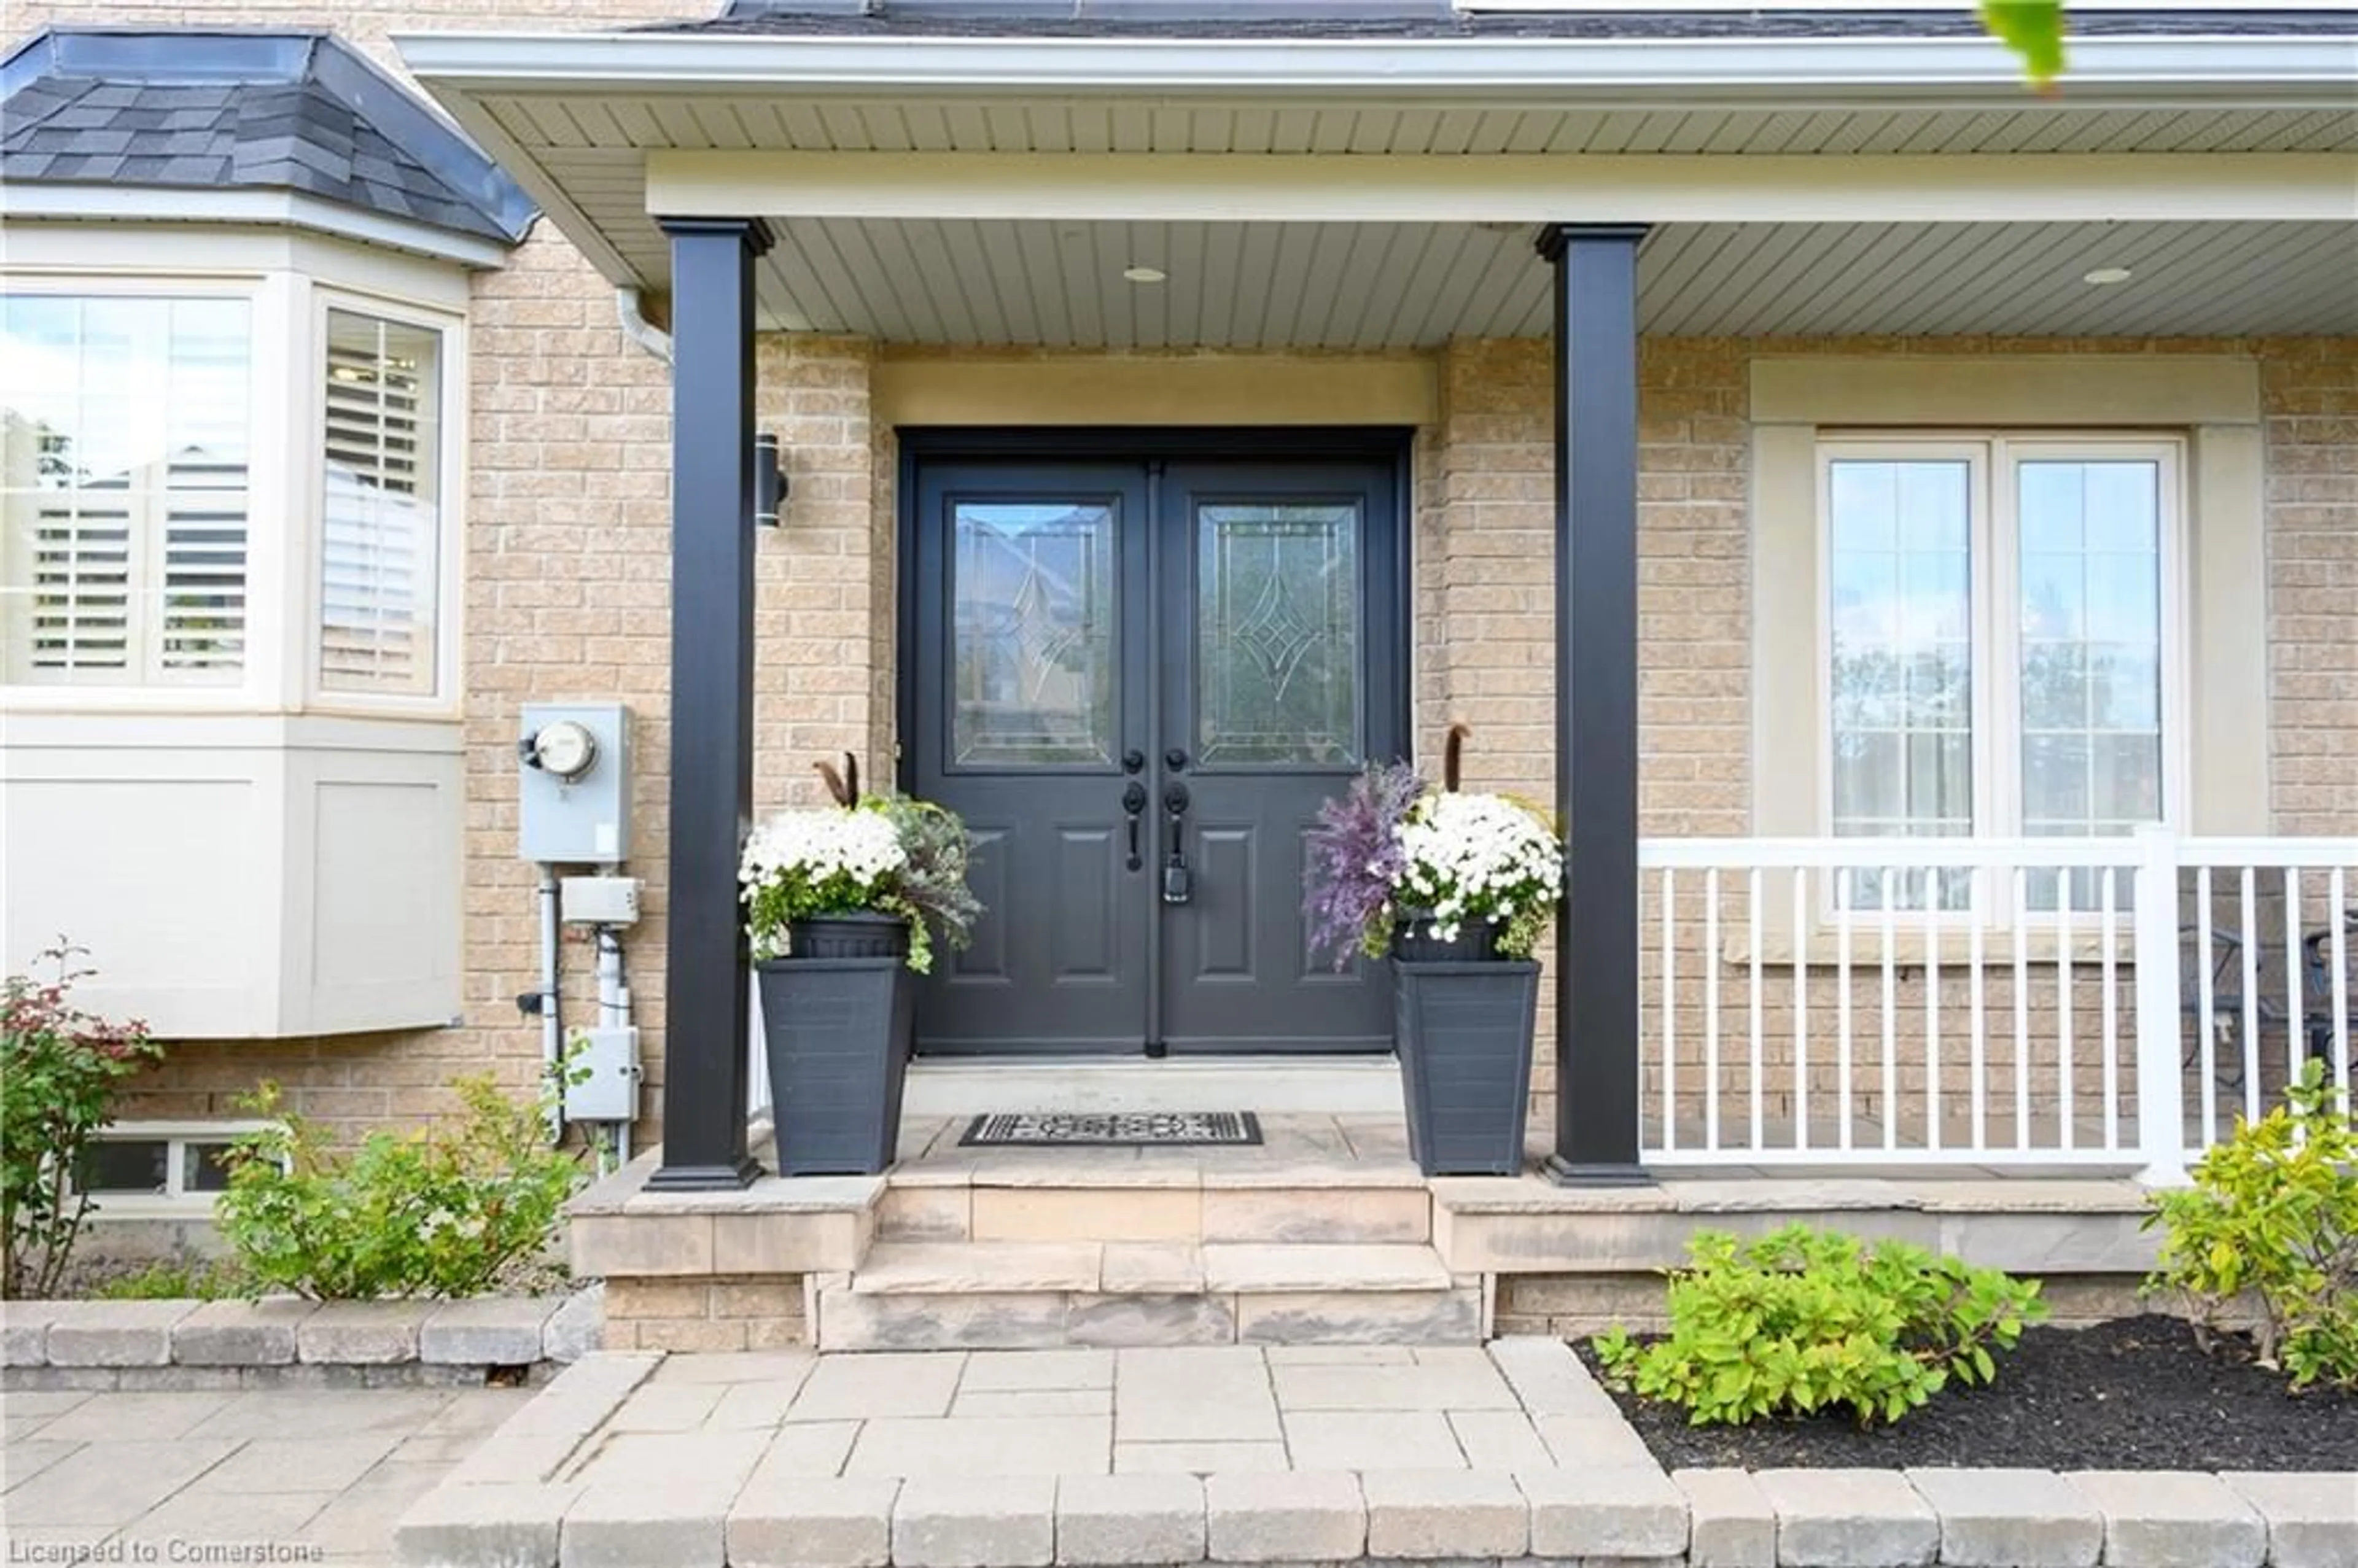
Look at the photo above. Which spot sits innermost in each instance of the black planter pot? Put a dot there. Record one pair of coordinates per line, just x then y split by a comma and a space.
1464, 1030
837, 1032
1477, 940
860, 935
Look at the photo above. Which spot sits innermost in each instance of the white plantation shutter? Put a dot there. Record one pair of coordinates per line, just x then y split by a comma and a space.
382, 506
78, 613
125, 489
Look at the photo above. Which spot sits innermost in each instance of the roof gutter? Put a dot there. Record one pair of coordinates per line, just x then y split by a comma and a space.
2306, 71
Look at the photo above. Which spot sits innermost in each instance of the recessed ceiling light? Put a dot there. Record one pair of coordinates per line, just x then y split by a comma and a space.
2108, 274
1144, 273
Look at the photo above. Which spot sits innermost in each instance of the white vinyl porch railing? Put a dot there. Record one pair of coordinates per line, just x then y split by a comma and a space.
1985, 1002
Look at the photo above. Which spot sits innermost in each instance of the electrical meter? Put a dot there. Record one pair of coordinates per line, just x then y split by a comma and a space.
573, 790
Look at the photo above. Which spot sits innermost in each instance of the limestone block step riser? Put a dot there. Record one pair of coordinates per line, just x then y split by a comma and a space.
1178, 1215
850, 1319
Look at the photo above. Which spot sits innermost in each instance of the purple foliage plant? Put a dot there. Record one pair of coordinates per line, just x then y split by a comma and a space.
1353, 858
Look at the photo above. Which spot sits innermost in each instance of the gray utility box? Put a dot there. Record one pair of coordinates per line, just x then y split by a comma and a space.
583, 818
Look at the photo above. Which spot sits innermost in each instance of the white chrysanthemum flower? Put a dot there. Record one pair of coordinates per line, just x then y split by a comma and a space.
1477, 857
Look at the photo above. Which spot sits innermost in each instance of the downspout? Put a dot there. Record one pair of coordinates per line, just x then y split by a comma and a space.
630, 309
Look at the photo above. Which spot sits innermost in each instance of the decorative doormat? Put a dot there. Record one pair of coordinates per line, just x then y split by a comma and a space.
1120, 1129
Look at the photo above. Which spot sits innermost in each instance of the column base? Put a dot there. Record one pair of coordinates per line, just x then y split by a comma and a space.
731, 1177
1566, 1173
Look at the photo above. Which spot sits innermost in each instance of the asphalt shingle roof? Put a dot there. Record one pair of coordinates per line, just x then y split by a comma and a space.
1278, 20
210, 109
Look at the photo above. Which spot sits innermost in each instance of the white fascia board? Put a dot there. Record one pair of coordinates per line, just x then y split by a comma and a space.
1510, 188
1802, 73
161, 204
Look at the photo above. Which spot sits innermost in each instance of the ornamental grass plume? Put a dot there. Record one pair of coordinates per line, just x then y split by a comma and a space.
1353, 858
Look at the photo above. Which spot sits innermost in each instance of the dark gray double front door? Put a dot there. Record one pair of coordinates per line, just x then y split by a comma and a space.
1137, 680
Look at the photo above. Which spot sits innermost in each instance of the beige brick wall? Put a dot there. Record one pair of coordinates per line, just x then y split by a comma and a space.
2309, 391
717, 1313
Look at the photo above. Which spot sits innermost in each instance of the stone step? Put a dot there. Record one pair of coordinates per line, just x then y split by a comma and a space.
951, 1267
1037, 1295
1113, 1204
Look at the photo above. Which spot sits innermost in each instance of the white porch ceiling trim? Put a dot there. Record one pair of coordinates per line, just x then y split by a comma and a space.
1513, 189
2319, 72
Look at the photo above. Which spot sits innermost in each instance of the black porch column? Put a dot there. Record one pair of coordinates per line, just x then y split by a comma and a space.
1596, 1046
705, 1013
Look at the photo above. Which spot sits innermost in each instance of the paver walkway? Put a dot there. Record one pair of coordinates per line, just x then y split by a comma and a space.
304, 1475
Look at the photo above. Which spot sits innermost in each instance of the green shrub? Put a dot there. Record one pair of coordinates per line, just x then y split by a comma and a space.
1804, 1321
464, 1206
200, 1280
59, 1068
2271, 1224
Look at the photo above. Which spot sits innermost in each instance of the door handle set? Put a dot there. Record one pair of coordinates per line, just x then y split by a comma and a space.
1133, 807
1177, 880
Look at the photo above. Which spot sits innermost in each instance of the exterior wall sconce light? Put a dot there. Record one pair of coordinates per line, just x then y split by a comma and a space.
769, 481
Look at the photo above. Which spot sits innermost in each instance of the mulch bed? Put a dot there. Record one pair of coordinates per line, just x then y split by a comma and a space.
2133, 1394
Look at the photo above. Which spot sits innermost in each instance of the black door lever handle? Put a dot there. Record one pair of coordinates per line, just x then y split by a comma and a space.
1133, 807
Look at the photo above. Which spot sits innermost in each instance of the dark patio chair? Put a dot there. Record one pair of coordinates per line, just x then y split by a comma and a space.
2226, 1018
2317, 988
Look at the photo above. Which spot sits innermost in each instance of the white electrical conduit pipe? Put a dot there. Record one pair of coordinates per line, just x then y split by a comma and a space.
552, 1029
614, 1013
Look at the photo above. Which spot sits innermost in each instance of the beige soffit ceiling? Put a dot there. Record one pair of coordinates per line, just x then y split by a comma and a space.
576, 117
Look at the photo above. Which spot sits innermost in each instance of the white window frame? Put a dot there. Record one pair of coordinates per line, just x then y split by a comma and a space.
449, 553
1994, 457
268, 456
289, 292
175, 1201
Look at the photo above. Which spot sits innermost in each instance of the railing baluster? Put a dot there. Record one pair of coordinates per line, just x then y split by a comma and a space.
2019, 919
1670, 1010
2109, 1052
1757, 999
2207, 996
2250, 932
1711, 1010
1846, 894
1931, 1007
1801, 1007
2295, 1013
1890, 1016
2064, 893
1976, 946
2337, 923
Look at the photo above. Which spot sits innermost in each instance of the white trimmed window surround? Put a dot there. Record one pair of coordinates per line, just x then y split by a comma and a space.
2001, 635
229, 638
160, 1170
2080, 568
232, 489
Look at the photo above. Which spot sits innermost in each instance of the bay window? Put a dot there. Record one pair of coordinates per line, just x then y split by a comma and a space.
239, 485
1999, 654
380, 514
128, 487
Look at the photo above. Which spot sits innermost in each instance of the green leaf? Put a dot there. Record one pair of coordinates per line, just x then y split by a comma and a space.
2033, 29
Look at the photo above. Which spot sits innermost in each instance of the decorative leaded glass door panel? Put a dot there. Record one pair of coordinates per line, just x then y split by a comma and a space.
1137, 681
1280, 673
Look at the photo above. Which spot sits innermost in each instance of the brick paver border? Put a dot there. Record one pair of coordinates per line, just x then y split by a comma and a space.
136, 1346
